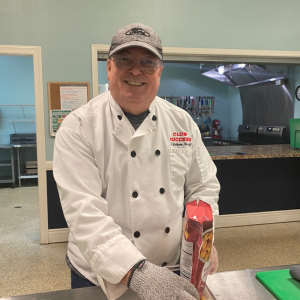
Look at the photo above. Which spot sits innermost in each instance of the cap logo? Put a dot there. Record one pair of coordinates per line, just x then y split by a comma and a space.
139, 31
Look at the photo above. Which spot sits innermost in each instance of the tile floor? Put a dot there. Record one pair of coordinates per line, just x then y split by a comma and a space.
26, 267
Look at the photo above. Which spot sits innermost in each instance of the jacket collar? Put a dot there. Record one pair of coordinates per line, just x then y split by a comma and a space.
124, 131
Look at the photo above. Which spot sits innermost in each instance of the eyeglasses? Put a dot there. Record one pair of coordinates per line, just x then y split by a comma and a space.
148, 65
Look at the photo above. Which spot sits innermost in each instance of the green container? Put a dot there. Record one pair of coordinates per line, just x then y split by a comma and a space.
295, 133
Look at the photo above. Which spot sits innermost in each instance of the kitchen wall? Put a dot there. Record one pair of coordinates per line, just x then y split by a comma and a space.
16, 88
235, 111
66, 29
185, 79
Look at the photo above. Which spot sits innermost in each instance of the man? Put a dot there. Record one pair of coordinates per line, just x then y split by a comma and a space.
123, 183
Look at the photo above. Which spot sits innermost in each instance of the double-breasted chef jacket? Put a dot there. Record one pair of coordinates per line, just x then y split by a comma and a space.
123, 191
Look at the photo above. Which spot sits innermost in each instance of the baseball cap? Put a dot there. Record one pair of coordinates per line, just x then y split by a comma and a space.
136, 35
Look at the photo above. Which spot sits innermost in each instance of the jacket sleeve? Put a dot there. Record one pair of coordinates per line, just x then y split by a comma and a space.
110, 254
201, 182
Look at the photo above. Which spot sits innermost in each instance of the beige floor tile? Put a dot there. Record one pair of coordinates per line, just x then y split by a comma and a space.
258, 246
26, 267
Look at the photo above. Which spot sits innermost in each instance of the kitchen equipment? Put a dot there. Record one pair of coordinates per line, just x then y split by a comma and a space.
280, 284
23, 138
193, 106
210, 107
272, 134
256, 135
204, 129
198, 108
295, 133
206, 108
216, 129
240, 75
202, 113
265, 91
185, 104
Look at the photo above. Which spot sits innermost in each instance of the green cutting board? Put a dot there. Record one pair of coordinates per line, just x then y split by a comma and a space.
295, 125
280, 284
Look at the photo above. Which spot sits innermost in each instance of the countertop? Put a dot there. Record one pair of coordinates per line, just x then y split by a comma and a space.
252, 151
233, 285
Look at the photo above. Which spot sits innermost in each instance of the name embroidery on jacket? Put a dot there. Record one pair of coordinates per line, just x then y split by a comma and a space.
180, 139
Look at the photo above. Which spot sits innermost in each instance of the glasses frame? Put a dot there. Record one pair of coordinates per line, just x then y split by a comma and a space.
113, 57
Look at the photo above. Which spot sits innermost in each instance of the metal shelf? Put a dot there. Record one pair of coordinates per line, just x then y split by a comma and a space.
8, 163
22, 162
5, 163
28, 176
7, 179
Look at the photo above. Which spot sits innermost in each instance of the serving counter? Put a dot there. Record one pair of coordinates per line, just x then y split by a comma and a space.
265, 179
256, 179
252, 151
233, 285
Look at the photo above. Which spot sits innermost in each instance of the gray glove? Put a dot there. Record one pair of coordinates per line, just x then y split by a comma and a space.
152, 282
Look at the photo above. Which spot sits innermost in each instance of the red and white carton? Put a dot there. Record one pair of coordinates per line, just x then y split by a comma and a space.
196, 245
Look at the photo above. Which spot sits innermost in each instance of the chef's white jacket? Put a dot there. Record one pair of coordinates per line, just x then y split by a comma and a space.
123, 191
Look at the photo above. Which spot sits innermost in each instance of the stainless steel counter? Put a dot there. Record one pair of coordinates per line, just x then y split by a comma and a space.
234, 285
240, 285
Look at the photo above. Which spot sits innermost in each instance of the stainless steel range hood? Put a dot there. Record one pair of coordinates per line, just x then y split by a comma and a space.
240, 75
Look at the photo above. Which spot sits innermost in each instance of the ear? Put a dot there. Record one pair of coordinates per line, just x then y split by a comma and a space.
108, 68
160, 70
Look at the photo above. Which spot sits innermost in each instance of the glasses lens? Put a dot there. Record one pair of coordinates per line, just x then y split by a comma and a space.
123, 62
147, 65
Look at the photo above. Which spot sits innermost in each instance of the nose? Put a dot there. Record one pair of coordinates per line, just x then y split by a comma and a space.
136, 70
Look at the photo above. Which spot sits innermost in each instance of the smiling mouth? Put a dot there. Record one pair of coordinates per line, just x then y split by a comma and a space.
134, 83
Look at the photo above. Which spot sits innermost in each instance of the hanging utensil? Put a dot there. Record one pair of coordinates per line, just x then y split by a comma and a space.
193, 107
202, 107
206, 108
198, 109
185, 103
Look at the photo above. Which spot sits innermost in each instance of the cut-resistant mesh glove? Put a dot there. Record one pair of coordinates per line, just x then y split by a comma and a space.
152, 282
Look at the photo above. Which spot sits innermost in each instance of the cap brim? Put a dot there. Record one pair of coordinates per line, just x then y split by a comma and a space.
137, 44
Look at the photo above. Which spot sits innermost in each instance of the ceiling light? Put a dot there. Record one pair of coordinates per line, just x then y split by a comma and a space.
221, 70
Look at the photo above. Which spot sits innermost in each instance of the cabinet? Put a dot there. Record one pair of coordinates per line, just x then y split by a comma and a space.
22, 166
8, 163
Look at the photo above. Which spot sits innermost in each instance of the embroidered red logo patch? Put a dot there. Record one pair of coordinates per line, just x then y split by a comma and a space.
180, 137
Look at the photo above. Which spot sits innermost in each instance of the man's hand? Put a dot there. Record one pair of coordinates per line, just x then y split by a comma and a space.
214, 261
152, 282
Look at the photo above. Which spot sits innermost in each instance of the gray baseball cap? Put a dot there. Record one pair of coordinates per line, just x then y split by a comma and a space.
136, 35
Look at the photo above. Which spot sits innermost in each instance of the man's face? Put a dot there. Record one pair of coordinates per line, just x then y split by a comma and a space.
133, 89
